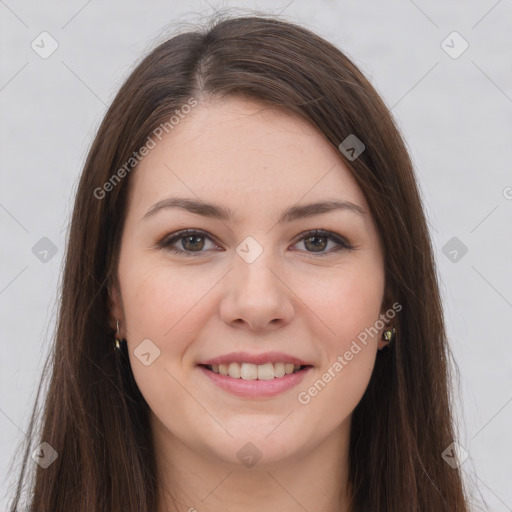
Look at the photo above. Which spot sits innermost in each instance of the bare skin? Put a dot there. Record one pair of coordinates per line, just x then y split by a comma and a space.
304, 295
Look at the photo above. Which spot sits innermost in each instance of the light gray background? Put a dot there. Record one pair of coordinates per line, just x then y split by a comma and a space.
455, 114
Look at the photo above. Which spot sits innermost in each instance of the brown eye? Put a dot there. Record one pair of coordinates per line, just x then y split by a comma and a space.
192, 243
317, 241
187, 243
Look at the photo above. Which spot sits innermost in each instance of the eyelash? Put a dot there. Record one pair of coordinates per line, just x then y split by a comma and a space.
167, 242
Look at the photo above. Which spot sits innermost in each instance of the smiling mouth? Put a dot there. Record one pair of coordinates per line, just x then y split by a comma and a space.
249, 371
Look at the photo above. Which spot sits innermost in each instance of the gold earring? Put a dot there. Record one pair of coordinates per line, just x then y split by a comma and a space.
389, 334
118, 341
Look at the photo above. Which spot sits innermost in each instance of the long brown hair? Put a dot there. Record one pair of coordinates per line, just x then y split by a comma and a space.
94, 416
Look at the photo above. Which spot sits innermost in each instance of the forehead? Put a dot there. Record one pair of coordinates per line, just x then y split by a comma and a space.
244, 154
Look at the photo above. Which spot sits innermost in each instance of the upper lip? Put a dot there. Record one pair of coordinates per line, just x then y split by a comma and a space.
245, 357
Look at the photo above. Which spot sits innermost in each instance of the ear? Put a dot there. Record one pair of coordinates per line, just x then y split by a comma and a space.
115, 307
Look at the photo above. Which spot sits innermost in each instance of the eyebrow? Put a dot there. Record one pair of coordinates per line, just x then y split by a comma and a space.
215, 211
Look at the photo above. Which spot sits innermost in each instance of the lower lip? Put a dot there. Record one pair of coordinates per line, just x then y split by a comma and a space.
256, 388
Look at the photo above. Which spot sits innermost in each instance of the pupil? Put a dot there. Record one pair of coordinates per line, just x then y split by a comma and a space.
194, 238
317, 247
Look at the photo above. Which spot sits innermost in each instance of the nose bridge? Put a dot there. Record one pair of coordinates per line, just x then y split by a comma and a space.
252, 271
256, 295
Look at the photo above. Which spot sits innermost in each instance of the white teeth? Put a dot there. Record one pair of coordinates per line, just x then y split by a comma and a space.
279, 370
234, 371
249, 371
265, 371
288, 368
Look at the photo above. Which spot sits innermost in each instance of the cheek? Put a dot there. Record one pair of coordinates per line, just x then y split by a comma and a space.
348, 302
162, 303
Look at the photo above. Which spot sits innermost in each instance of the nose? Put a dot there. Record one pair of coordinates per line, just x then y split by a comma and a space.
257, 297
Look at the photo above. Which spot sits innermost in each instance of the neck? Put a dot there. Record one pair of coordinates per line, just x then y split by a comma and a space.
315, 480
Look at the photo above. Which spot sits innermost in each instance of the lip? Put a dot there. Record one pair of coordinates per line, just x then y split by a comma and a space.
246, 357
255, 388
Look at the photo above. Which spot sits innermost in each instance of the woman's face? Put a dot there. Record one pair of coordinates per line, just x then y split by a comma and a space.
250, 285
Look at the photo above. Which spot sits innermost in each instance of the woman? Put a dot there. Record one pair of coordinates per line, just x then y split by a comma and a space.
250, 317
